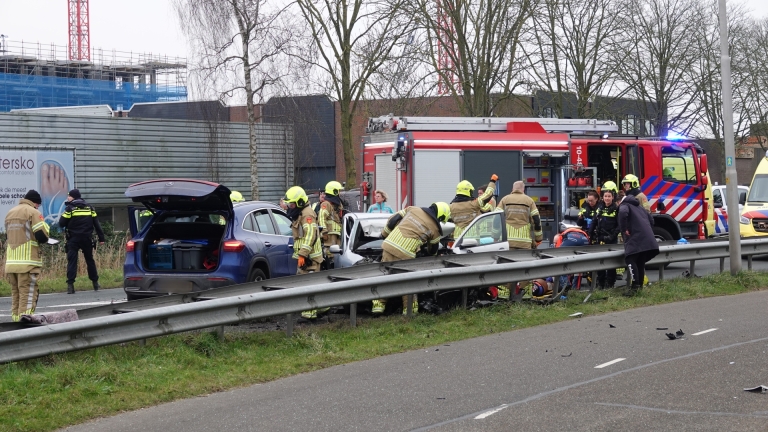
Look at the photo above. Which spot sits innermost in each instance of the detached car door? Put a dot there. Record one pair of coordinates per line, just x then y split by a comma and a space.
487, 233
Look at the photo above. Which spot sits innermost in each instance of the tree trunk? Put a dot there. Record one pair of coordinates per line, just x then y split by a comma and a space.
347, 145
252, 147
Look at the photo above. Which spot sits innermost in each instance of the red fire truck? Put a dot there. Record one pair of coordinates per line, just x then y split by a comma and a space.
419, 160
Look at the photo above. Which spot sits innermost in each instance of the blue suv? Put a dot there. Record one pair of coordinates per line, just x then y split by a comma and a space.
189, 237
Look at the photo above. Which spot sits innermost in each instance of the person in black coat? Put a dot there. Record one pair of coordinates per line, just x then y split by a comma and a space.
79, 221
640, 246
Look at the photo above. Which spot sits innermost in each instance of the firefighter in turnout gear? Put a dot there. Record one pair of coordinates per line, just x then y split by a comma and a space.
605, 230
523, 219
631, 185
329, 220
79, 221
306, 240
26, 230
465, 208
236, 197
409, 232
611, 186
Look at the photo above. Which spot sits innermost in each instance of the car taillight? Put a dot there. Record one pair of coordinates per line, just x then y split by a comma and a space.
129, 246
234, 246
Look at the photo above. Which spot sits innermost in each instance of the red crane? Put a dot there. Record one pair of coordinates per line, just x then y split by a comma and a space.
445, 50
79, 30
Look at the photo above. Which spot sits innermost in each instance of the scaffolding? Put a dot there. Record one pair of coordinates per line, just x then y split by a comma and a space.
33, 75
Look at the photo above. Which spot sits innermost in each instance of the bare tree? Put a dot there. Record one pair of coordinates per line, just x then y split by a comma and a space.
753, 94
662, 50
481, 39
573, 49
707, 74
350, 40
238, 42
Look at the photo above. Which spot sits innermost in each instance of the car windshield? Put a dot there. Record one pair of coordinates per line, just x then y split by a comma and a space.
678, 165
758, 192
367, 234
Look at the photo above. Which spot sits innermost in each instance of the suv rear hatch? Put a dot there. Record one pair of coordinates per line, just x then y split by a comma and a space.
194, 218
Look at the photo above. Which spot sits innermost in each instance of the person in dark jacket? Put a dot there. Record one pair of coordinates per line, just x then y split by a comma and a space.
588, 211
636, 226
605, 230
79, 221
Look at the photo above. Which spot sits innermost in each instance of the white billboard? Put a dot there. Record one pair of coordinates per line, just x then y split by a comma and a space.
50, 172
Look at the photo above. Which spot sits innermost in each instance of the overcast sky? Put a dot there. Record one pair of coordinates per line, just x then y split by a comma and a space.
146, 26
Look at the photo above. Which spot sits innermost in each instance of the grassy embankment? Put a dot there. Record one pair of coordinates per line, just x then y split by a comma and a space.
60, 390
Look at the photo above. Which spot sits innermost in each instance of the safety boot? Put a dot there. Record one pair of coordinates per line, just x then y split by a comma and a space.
631, 291
310, 314
378, 306
70, 288
96, 285
503, 292
414, 307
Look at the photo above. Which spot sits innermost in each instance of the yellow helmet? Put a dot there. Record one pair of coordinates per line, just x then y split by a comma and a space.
632, 180
610, 186
465, 188
443, 211
236, 197
333, 188
297, 196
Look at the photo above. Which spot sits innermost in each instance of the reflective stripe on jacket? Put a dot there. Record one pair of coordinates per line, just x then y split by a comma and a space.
330, 219
305, 236
522, 216
463, 213
415, 229
23, 251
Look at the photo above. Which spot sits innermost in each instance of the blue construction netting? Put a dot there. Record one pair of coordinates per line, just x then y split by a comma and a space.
35, 91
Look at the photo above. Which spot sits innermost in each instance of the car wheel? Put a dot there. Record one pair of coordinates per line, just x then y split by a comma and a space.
257, 275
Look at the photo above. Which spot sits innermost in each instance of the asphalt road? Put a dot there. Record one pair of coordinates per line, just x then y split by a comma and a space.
575, 375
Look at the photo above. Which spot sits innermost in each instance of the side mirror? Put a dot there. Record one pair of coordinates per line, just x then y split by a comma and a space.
718, 205
742, 198
468, 243
704, 164
335, 249
704, 180
660, 206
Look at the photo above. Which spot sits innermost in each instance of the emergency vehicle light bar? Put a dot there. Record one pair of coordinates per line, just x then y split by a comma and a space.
390, 123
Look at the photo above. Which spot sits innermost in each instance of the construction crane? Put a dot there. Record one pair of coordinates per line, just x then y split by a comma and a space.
446, 50
79, 30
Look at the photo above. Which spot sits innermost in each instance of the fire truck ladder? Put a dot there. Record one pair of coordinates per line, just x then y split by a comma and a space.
390, 123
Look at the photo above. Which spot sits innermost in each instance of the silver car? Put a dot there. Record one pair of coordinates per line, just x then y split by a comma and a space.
361, 238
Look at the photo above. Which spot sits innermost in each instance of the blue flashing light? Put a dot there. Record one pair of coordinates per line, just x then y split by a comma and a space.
674, 136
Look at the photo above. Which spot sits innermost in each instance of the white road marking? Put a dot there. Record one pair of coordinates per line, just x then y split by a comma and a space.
490, 413
703, 331
609, 363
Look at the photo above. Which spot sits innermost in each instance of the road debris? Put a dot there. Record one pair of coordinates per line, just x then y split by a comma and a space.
611, 326
662, 328
672, 336
679, 333
564, 355
758, 389
577, 314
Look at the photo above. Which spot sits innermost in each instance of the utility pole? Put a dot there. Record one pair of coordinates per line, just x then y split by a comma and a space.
731, 182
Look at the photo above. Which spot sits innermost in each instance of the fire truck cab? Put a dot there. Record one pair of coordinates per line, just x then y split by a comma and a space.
419, 160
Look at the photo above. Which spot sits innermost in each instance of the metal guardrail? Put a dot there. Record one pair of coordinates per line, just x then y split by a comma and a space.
240, 306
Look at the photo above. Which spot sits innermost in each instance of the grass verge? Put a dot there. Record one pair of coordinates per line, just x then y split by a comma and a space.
60, 390
108, 278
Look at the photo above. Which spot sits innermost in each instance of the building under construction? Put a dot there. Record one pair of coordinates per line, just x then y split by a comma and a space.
34, 75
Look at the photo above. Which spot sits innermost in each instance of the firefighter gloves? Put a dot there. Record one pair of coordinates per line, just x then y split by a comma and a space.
494, 178
302, 262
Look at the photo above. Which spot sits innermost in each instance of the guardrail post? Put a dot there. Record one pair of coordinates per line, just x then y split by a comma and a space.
142, 342
722, 265
692, 267
661, 272
409, 305
289, 325
749, 262
353, 315
464, 297
219, 332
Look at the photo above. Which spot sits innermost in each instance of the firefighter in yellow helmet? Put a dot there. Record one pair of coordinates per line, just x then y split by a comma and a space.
25, 231
409, 232
306, 247
631, 185
329, 219
465, 208
523, 223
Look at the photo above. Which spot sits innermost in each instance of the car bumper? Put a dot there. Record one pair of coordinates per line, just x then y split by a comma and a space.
158, 285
